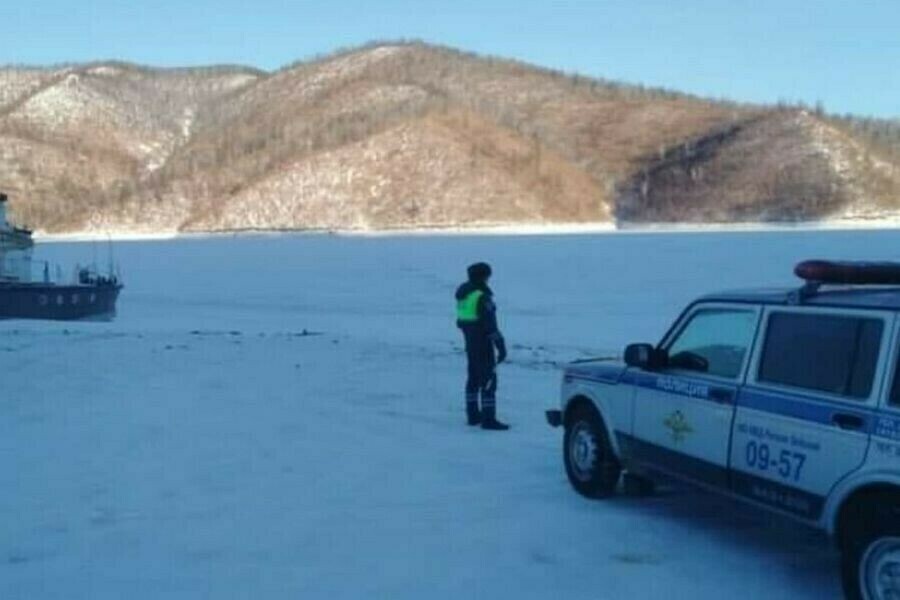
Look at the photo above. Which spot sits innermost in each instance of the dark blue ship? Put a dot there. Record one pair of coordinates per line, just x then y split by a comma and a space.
90, 296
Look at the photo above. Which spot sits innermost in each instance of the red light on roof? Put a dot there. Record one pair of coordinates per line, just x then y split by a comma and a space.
849, 272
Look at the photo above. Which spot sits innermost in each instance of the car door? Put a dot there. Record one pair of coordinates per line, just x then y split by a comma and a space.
683, 413
885, 444
803, 420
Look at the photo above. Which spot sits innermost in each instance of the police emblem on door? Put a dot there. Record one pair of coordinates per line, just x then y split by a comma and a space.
678, 426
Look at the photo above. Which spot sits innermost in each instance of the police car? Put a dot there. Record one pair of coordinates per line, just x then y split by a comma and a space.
789, 399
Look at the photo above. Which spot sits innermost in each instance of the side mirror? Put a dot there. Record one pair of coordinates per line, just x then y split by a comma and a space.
645, 356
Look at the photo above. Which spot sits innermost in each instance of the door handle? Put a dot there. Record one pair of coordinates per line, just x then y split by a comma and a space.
848, 421
721, 395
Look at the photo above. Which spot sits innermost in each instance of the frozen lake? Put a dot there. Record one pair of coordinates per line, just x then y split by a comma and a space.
281, 417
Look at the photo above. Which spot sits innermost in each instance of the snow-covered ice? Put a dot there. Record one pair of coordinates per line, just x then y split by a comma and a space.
281, 417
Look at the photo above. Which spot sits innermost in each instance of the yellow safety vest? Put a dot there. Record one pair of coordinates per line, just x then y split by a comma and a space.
467, 308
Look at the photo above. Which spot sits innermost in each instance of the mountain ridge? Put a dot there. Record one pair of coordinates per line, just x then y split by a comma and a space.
410, 135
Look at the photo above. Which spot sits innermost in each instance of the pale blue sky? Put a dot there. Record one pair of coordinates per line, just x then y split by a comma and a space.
845, 54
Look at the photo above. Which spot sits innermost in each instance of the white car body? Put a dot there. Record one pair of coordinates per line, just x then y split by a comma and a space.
796, 451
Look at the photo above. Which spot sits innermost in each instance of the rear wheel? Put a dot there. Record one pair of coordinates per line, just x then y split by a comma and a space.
870, 550
591, 465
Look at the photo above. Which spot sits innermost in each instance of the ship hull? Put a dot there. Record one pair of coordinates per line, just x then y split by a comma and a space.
58, 302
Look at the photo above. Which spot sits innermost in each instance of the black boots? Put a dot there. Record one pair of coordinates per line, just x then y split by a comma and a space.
489, 420
493, 425
473, 415
487, 417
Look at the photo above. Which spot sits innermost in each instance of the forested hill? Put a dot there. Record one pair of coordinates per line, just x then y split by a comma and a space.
410, 136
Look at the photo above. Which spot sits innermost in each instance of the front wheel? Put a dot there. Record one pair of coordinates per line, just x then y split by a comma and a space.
591, 465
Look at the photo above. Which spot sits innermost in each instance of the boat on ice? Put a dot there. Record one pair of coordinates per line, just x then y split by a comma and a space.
90, 295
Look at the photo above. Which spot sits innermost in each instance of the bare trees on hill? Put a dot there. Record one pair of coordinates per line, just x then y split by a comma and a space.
132, 137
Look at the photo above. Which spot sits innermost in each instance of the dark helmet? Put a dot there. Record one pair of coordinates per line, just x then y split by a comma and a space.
479, 272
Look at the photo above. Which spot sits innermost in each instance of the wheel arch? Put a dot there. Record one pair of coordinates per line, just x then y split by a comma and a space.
845, 506
582, 400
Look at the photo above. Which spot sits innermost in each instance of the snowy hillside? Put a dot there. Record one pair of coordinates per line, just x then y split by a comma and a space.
411, 135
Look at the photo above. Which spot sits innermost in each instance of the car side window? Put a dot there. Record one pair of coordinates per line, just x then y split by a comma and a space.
836, 354
714, 341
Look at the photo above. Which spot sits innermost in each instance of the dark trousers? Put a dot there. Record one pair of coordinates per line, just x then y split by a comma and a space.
482, 374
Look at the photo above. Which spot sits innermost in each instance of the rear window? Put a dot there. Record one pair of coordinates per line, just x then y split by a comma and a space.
895, 390
826, 353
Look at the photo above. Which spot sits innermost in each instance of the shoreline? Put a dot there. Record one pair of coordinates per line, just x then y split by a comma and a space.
889, 223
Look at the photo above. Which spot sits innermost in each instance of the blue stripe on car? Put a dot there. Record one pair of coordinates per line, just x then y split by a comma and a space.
796, 406
802, 408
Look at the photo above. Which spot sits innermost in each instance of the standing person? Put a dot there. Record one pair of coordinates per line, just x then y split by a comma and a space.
476, 315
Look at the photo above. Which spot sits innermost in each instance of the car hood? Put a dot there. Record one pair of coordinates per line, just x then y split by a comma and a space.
605, 370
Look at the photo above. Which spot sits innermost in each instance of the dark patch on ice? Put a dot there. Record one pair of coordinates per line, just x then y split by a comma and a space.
542, 358
532, 348
537, 365
306, 333
204, 332
542, 558
634, 558
215, 333
18, 559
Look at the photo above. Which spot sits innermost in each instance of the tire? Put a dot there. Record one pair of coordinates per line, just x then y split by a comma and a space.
591, 465
870, 554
